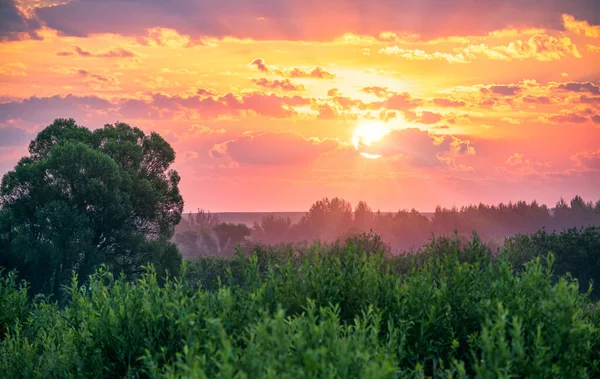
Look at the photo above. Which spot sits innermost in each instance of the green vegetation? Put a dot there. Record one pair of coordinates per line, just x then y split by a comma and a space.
455, 310
83, 198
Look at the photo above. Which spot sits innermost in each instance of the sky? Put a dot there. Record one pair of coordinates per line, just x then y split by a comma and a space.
271, 105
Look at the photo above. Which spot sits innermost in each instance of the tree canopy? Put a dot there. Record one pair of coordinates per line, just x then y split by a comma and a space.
84, 198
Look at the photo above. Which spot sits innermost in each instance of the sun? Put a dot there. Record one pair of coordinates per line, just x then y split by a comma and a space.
366, 134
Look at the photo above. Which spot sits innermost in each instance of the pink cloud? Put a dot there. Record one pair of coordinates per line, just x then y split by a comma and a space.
284, 84
448, 103
274, 149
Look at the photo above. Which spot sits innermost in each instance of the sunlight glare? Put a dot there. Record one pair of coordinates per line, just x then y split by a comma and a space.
366, 134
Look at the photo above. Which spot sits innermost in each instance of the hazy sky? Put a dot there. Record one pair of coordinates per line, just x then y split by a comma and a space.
485, 100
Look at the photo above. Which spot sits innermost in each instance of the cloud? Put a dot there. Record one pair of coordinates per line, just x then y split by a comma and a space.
422, 149
326, 112
14, 24
567, 118
378, 91
580, 87
12, 136
588, 159
13, 69
333, 92
198, 130
259, 64
284, 85
503, 90
316, 72
347, 103
270, 105
580, 27
537, 99
448, 103
167, 37
418, 54
589, 100
118, 52
424, 117
517, 165
290, 20
401, 101
96, 81
274, 149
43, 110
541, 47
205, 92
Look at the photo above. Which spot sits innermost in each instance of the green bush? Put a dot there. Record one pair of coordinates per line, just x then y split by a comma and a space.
328, 311
577, 253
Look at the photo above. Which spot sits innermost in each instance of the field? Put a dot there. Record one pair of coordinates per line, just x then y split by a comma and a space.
454, 310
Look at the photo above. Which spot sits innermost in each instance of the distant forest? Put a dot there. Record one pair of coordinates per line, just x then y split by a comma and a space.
333, 219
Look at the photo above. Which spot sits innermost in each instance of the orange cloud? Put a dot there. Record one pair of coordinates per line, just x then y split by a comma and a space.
417, 54
13, 69
167, 38
580, 27
378, 91
315, 72
284, 84
448, 103
541, 47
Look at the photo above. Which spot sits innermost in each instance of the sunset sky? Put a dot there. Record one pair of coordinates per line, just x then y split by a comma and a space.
487, 100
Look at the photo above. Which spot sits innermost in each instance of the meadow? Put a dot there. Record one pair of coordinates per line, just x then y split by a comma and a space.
455, 309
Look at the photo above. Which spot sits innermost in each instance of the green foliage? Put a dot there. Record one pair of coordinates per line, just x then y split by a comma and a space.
326, 311
577, 252
84, 198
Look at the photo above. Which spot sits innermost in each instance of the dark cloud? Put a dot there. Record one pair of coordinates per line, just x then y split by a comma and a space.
205, 92
114, 53
537, 99
259, 64
14, 25
580, 87
42, 110
589, 100
288, 19
509, 90
11, 136
567, 118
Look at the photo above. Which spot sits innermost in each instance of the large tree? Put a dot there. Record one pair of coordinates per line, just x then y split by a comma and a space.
83, 198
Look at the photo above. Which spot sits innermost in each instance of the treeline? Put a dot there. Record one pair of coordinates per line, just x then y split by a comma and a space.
455, 310
332, 219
